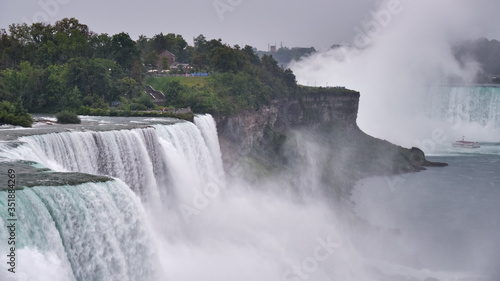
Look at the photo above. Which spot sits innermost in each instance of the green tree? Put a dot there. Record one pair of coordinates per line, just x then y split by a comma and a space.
171, 42
6, 50
54, 89
224, 59
14, 114
290, 78
151, 60
19, 38
25, 83
67, 117
145, 100
100, 74
142, 44
71, 99
72, 39
48, 54
270, 64
76, 74
136, 72
173, 90
101, 46
251, 55
200, 43
128, 87
124, 50
165, 65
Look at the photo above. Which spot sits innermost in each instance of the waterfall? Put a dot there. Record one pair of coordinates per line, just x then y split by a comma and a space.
143, 158
130, 155
433, 117
208, 129
98, 231
466, 105
204, 228
192, 155
92, 231
452, 113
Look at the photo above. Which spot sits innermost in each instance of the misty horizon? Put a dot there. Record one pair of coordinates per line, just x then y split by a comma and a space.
255, 23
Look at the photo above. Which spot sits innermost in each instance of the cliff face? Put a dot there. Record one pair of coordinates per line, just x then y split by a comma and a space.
258, 142
240, 133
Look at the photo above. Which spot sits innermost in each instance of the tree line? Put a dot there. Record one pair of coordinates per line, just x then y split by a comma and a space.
285, 55
47, 68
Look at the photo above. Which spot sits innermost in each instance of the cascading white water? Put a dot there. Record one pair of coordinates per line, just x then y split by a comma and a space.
127, 154
207, 228
191, 165
466, 106
223, 231
479, 105
452, 113
140, 158
207, 127
92, 231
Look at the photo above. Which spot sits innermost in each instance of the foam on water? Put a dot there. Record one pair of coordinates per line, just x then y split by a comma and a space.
203, 227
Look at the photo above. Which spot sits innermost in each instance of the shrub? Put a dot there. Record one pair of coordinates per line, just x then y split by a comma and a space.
113, 112
145, 100
66, 117
14, 114
137, 106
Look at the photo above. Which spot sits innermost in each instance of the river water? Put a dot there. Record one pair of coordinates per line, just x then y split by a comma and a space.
449, 217
446, 219
168, 212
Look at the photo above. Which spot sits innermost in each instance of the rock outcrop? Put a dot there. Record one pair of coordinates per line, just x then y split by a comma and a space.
330, 117
241, 133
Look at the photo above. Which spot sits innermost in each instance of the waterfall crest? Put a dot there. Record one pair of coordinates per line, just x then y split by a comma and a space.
92, 231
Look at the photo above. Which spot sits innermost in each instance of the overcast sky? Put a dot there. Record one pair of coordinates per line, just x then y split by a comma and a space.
318, 23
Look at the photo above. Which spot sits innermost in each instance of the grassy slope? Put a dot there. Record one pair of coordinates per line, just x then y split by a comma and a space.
159, 83
225, 95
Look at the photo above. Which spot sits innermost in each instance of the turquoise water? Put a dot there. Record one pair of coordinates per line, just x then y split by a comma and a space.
449, 217
171, 214
90, 231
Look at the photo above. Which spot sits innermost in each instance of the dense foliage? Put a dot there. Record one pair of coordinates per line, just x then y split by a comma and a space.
67, 117
66, 66
14, 114
239, 80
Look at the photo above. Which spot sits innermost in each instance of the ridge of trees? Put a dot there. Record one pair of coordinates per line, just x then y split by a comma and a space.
66, 66
285, 55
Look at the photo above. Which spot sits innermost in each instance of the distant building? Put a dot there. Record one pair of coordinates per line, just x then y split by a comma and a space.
184, 66
169, 56
272, 48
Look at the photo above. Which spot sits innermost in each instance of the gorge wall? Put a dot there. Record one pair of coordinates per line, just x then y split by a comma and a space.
265, 141
239, 134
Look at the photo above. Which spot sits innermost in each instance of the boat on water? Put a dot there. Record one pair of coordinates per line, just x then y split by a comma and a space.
465, 144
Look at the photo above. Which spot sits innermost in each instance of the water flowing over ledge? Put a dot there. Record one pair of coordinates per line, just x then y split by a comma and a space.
102, 225
90, 231
188, 210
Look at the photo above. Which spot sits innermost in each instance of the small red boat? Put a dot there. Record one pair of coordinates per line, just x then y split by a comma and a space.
465, 144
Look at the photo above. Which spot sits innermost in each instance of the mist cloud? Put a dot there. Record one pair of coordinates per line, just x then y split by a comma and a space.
407, 46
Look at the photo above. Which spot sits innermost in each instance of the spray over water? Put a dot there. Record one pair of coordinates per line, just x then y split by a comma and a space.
204, 225
400, 55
